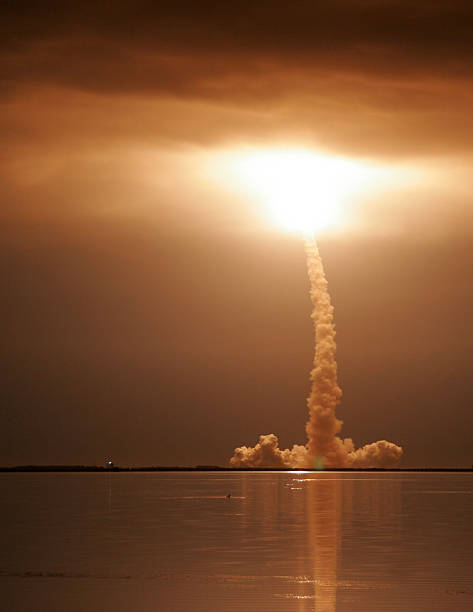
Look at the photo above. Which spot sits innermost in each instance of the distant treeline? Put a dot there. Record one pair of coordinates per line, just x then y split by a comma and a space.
207, 468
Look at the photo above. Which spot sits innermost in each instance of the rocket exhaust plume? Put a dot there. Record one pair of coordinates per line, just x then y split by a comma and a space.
323, 426
324, 447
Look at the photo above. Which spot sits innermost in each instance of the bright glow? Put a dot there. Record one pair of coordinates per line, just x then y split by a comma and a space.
309, 192
304, 191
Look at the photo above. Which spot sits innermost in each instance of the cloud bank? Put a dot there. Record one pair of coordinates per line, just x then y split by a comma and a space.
357, 76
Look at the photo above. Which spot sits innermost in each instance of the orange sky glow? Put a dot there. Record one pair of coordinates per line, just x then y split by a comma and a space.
153, 161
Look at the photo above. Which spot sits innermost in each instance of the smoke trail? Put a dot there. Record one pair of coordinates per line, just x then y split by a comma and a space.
323, 426
324, 447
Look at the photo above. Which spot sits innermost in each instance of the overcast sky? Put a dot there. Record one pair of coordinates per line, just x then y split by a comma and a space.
152, 311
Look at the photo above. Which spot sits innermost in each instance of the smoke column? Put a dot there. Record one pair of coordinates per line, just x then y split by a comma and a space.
324, 447
323, 426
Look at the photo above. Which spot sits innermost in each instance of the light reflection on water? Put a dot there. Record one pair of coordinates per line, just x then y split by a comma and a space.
323, 542
323, 519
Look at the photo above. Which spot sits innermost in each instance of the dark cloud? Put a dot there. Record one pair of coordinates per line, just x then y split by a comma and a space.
123, 46
388, 77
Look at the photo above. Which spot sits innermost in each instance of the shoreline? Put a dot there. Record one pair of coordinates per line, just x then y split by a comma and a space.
211, 468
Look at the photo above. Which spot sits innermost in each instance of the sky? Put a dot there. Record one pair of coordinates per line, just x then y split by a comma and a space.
153, 310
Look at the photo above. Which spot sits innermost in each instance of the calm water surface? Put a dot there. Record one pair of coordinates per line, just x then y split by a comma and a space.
328, 542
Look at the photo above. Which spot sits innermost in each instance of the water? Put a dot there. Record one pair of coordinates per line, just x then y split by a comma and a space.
328, 542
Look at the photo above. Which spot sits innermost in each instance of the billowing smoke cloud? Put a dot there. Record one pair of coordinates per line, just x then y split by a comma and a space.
324, 447
378, 454
266, 453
